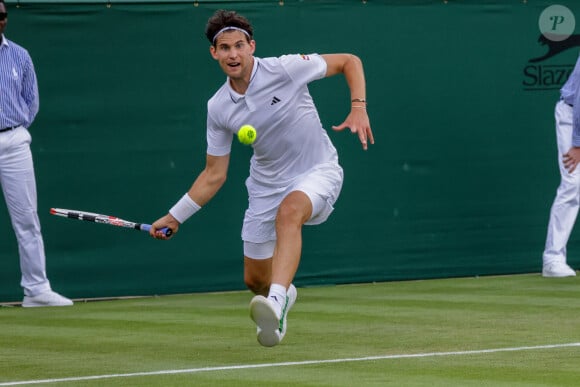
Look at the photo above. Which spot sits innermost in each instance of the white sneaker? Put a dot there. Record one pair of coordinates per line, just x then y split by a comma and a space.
557, 270
268, 338
271, 321
266, 314
49, 298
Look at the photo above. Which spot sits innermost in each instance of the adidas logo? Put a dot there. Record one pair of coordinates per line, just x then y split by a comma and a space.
275, 100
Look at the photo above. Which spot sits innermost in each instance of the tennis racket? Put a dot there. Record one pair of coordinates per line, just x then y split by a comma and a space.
105, 219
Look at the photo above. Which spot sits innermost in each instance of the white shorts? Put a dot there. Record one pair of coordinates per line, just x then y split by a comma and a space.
322, 184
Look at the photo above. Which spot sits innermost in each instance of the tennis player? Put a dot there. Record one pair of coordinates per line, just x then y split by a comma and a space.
564, 210
295, 177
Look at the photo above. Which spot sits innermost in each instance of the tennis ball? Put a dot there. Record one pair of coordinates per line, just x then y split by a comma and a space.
247, 134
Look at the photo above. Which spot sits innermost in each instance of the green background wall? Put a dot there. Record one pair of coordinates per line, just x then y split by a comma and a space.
459, 182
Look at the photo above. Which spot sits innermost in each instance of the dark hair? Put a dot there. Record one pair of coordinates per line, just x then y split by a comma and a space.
222, 19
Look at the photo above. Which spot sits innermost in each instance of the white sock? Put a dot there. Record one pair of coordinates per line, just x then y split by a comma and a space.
278, 295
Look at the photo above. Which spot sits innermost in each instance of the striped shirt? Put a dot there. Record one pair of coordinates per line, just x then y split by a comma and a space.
18, 86
570, 94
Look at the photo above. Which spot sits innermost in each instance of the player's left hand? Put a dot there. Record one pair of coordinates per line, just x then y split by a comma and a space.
571, 159
358, 122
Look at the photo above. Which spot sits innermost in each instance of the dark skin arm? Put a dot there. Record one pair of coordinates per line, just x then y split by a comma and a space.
571, 159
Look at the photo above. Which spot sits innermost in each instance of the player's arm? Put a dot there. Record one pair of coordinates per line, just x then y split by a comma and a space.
210, 180
358, 120
30, 90
205, 186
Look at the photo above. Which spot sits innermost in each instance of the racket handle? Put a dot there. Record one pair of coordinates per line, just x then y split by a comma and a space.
165, 230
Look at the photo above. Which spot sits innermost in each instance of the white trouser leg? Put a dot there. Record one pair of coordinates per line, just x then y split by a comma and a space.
565, 207
19, 188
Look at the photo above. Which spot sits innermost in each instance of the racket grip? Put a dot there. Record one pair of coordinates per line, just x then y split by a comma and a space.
165, 230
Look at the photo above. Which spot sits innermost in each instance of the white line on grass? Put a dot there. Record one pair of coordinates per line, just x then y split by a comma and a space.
290, 363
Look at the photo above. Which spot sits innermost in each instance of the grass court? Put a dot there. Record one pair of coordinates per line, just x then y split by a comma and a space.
521, 330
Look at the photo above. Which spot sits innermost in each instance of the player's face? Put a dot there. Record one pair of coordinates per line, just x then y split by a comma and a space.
234, 54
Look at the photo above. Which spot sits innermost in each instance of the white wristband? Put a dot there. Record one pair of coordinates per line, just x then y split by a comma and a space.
184, 208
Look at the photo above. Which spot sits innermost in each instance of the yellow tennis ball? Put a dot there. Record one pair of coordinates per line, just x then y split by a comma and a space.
247, 134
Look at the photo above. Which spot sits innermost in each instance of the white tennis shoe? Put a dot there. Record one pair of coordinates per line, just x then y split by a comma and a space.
270, 318
557, 270
49, 298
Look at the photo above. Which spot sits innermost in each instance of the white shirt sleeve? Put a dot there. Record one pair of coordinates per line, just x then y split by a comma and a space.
219, 140
304, 69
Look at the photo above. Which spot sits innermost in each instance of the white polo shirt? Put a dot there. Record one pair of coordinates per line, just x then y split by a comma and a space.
290, 137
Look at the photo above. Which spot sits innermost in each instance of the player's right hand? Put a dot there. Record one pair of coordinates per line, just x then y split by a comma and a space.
166, 221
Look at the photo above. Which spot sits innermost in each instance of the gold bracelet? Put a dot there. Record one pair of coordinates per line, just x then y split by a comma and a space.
359, 100
359, 107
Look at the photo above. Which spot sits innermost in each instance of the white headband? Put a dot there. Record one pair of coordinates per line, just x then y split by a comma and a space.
229, 29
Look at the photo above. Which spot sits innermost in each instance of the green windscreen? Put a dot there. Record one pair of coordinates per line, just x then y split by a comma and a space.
459, 183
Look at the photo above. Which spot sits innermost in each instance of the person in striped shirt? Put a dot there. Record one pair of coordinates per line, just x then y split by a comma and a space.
567, 202
18, 107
